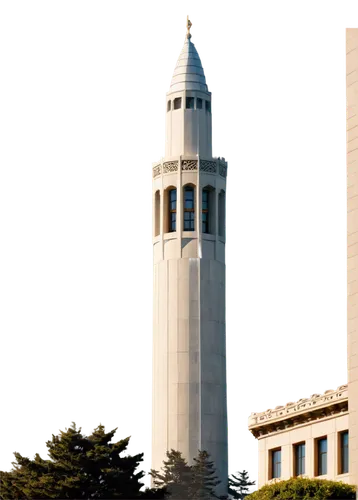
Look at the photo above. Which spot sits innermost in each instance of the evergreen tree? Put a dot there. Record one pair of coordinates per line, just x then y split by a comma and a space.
239, 486
79, 467
175, 476
204, 479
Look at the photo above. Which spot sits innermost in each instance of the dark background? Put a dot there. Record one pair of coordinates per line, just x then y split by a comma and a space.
82, 102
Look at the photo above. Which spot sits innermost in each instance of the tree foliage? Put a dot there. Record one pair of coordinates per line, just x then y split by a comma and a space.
175, 476
203, 477
182, 481
79, 467
239, 485
300, 488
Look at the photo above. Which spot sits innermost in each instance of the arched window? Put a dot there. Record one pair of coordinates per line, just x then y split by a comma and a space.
177, 103
205, 202
172, 206
222, 214
157, 213
189, 212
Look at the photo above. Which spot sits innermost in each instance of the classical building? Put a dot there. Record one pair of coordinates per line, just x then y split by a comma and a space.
189, 354
318, 436
309, 437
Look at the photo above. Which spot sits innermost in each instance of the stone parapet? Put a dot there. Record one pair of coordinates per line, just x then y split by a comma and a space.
316, 407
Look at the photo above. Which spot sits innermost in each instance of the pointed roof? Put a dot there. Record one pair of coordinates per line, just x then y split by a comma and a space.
188, 73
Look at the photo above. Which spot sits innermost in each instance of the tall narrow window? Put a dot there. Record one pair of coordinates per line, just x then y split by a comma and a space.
177, 103
157, 213
189, 212
199, 103
169, 105
276, 463
300, 455
222, 214
205, 210
172, 210
321, 456
208, 106
190, 103
344, 458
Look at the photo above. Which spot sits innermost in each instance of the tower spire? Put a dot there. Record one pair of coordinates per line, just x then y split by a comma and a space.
188, 26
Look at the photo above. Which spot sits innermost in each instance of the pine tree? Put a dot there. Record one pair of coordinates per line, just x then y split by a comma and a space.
204, 479
175, 476
79, 467
241, 483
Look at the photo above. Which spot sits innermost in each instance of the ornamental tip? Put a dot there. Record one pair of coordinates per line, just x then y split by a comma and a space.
188, 26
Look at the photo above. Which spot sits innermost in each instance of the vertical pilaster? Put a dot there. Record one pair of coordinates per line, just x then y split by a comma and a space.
352, 245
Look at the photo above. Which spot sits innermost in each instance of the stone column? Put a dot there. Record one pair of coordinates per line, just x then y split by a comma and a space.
352, 245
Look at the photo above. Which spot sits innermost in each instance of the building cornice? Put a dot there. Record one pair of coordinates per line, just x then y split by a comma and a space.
317, 407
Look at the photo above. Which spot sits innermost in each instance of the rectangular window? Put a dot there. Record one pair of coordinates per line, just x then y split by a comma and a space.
205, 199
177, 103
321, 454
189, 213
344, 453
208, 106
189, 221
169, 105
190, 103
205, 211
300, 455
172, 210
222, 213
275, 463
205, 223
173, 221
189, 199
199, 103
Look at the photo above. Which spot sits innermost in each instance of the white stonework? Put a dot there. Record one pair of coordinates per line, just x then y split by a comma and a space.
189, 355
352, 243
305, 421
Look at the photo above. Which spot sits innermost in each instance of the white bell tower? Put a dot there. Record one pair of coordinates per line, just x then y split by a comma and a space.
189, 354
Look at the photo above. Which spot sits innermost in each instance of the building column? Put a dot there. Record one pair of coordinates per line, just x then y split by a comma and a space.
352, 245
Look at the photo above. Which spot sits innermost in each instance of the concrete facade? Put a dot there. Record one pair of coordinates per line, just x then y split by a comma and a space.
189, 353
352, 242
303, 422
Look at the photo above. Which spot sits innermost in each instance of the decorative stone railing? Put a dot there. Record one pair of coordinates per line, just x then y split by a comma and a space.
188, 165
313, 408
207, 166
170, 166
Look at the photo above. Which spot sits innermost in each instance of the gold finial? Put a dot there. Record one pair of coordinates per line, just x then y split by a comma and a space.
188, 26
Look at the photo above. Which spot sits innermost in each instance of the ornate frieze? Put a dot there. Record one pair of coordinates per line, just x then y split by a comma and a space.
208, 166
170, 166
157, 170
222, 169
305, 410
189, 165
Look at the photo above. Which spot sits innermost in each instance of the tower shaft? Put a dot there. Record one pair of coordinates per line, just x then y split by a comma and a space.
189, 354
